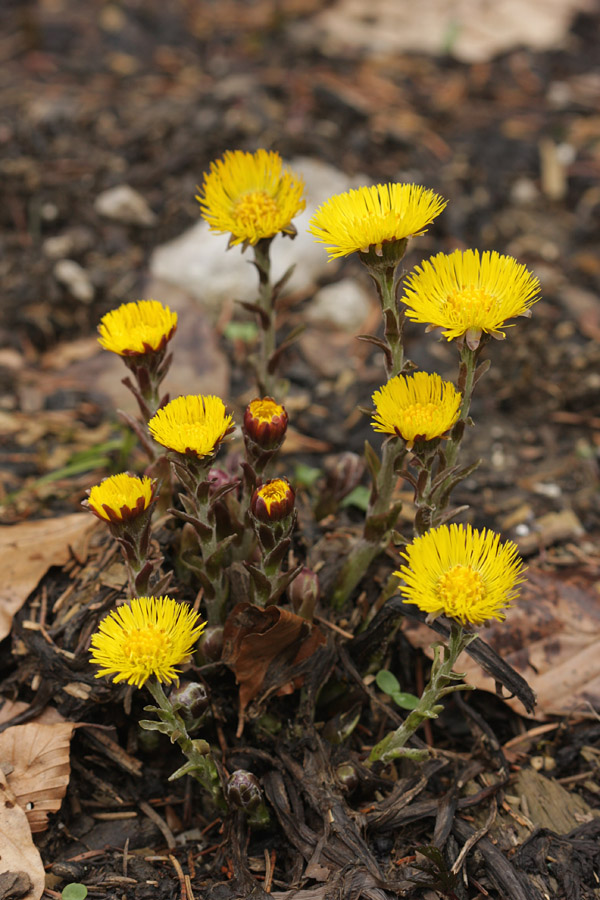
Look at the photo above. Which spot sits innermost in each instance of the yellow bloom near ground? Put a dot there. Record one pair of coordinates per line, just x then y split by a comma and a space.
120, 498
251, 196
136, 328
148, 637
368, 216
462, 573
468, 292
193, 424
416, 407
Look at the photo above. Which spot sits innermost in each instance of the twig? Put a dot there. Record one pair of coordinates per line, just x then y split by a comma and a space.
160, 824
458, 863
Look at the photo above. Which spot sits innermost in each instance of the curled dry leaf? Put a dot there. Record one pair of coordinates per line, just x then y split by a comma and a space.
21, 868
551, 637
36, 758
28, 549
262, 645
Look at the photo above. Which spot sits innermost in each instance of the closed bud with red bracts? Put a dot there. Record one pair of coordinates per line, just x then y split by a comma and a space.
273, 500
265, 423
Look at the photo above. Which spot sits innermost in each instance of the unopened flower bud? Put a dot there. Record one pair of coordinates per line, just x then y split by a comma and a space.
211, 643
304, 592
265, 423
243, 790
273, 500
345, 474
190, 700
347, 776
218, 478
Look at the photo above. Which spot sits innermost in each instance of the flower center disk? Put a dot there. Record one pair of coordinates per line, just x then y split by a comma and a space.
147, 646
460, 588
470, 302
420, 416
254, 209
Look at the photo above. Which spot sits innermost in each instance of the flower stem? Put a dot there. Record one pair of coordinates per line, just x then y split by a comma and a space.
267, 382
468, 364
200, 762
440, 684
386, 281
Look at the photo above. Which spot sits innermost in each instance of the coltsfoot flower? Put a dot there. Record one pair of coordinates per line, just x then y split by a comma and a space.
462, 573
371, 216
416, 407
265, 422
134, 329
273, 501
251, 196
121, 498
193, 425
466, 293
149, 637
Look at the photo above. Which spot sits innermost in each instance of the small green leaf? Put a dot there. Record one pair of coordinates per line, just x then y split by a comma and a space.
387, 682
306, 475
74, 891
406, 701
358, 497
241, 331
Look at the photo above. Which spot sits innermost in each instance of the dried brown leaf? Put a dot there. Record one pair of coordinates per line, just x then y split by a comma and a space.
258, 642
21, 867
551, 637
28, 549
36, 757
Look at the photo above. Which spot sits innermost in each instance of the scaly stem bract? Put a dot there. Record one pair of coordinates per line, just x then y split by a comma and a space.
440, 684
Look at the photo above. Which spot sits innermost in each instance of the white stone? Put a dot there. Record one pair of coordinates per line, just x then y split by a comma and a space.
198, 261
470, 30
75, 279
123, 204
344, 304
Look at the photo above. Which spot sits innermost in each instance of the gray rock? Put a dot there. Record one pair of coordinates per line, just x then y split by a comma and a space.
198, 261
123, 204
76, 280
344, 304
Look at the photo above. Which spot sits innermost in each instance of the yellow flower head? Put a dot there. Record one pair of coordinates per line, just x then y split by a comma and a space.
368, 217
466, 293
251, 196
121, 498
273, 500
192, 424
461, 573
416, 407
134, 329
148, 637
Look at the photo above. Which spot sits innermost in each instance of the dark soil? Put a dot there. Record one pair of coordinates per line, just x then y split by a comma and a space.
147, 93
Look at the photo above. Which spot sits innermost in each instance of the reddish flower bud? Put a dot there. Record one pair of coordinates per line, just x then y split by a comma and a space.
273, 500
243, 790
265, 423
